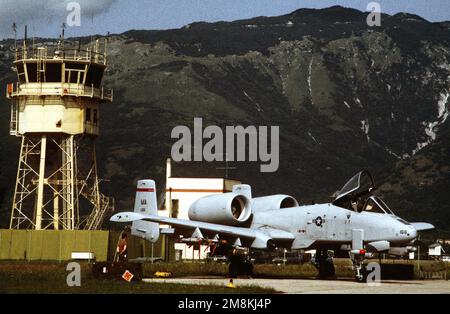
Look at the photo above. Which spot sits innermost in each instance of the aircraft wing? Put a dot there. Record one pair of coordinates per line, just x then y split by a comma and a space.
259, 238
422, 226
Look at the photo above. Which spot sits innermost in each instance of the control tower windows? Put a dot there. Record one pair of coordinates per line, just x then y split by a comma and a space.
75, 66
21, 73
50, 72
32, 72
94, 76
74, 73
53, 72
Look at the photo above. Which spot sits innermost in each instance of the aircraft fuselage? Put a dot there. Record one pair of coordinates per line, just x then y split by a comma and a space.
321, 224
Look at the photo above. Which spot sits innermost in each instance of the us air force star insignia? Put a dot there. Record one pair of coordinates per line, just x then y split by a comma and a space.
318, 221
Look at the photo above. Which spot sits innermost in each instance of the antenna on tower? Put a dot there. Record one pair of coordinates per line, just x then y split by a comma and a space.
25, 36
63, 27
14, 28
33, 41
25, 42
61, 37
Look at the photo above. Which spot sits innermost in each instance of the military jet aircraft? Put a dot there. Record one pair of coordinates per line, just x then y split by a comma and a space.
234, 223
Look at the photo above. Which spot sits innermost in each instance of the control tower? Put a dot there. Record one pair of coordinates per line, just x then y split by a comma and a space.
55, 110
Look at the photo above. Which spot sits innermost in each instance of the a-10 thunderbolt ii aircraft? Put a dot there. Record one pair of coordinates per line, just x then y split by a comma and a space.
233, 223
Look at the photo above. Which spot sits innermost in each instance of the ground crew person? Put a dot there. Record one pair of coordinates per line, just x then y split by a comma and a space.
122, 248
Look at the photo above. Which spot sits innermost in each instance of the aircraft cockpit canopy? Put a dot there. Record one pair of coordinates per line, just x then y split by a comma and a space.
355, 190
357, 195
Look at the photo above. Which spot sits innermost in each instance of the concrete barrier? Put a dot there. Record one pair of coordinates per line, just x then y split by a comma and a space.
58, 245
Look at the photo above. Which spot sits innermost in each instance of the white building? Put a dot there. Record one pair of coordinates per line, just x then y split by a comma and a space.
435, 249
181, 193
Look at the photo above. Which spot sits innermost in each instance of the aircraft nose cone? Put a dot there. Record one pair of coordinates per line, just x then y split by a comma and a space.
116, 218
413, 233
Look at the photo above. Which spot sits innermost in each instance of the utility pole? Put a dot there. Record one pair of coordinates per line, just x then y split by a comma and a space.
418, 254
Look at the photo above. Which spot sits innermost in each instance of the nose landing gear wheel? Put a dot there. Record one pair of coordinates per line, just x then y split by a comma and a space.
361, 275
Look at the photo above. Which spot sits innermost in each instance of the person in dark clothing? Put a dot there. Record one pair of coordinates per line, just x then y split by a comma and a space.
122, 248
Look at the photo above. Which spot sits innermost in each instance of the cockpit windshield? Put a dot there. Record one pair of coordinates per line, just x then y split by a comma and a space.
373, 207
384, 205
374, 204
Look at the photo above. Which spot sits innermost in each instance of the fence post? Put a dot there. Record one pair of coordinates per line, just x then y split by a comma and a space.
90, 242
29, 245
59, 251
10, 243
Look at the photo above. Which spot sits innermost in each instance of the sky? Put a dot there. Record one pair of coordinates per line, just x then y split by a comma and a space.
44, 17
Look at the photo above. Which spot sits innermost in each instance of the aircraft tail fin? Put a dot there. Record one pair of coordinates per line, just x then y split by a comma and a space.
145, 203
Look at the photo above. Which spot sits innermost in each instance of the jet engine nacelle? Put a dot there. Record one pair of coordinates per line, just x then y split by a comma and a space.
230, 209
271, 202
401, 251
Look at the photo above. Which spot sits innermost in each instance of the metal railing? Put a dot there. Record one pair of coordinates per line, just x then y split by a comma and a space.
14, 124
95, 220
51, 53
64, 89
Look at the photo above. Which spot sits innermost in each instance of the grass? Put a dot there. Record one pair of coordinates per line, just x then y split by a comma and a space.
50, 277
187, 269
342, 266
297, 271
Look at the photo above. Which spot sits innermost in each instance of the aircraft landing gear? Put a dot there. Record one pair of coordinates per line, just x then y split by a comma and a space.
240, 266
324, 264
358, 265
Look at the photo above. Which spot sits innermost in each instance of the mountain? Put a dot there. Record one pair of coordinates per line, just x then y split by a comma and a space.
345, 95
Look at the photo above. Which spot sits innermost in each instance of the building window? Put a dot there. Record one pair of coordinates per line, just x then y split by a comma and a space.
88, 115
95, 116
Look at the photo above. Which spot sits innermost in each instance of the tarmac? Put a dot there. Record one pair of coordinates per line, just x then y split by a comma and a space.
314, 286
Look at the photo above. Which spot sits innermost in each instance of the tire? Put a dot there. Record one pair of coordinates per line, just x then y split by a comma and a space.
364, 274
